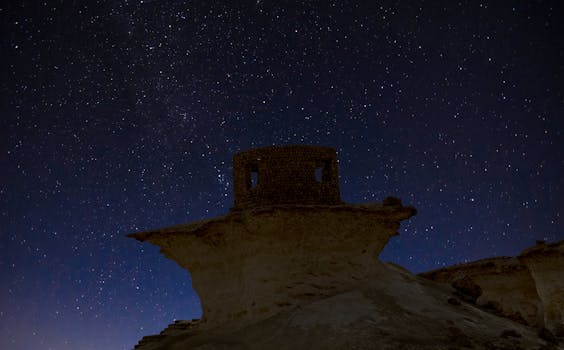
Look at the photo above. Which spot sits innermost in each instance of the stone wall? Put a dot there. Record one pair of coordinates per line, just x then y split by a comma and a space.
286, 175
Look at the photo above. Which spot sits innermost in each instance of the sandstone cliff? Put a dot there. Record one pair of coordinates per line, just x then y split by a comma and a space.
389, 309
528, 288
546, 264
308, 277
251, 264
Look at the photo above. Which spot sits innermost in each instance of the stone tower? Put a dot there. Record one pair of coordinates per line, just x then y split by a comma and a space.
277, 175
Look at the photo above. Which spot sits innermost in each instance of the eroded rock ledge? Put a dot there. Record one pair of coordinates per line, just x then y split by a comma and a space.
528, 288
252, 264
308, 277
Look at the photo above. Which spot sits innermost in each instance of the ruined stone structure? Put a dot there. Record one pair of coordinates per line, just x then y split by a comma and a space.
286, 175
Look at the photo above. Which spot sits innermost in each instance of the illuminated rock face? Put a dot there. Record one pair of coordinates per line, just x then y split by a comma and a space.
308, 277
251, 264
528, 288
502, 285
388, 309
546, 263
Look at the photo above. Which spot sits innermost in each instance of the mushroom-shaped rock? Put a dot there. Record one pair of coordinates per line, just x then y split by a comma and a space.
252, 263
288, 239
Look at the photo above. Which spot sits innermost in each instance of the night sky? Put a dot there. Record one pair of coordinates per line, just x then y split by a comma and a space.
121, 116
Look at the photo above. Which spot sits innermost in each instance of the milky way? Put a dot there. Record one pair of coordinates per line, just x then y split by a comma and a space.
121, 116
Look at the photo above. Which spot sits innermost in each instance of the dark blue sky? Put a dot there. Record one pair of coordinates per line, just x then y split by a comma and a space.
119, 116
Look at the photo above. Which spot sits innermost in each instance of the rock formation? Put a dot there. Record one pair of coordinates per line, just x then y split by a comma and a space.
502, 285
293, 267
251, 264
528, 288
546, 264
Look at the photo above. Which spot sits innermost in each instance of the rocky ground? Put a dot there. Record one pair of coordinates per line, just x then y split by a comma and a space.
392, 310
528, 289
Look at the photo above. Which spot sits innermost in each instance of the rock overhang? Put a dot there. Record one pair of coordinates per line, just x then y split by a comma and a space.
391, 210
252, 263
